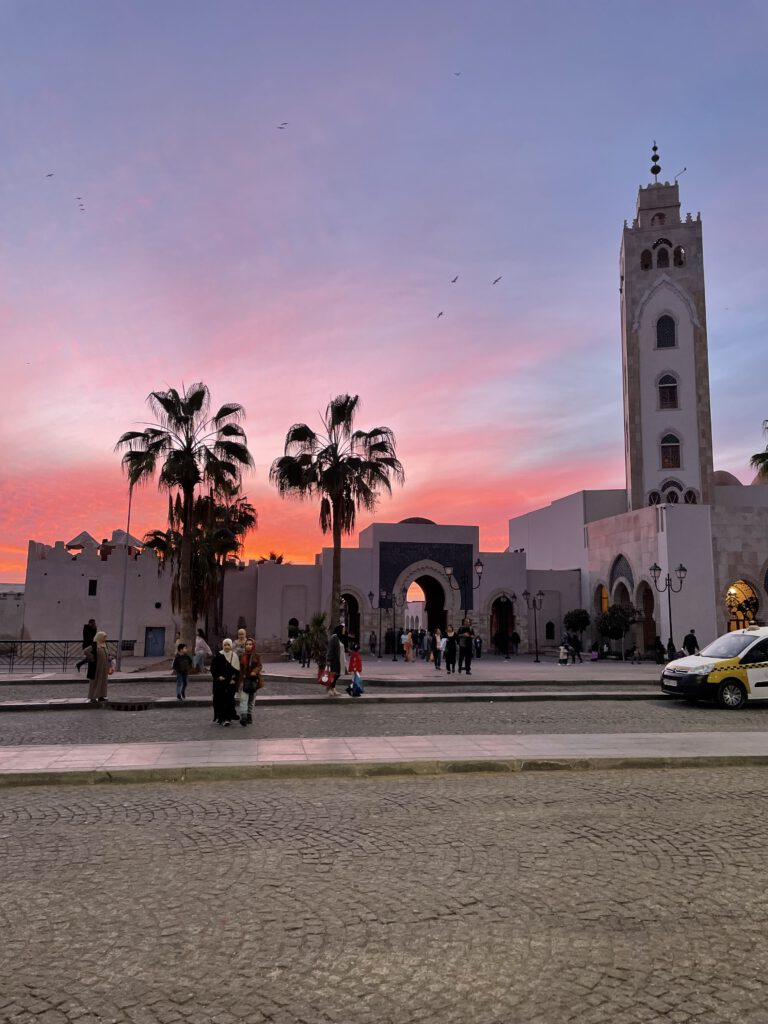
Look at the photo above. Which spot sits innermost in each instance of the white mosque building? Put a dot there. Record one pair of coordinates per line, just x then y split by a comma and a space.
678, 525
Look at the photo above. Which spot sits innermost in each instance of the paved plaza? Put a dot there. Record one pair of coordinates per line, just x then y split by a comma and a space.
348, 718
598, 898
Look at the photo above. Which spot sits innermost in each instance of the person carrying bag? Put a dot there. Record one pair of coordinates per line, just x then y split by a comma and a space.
335, 662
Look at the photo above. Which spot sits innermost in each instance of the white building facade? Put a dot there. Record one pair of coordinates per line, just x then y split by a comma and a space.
675, 510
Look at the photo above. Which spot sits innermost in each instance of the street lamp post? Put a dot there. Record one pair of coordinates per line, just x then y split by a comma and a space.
401, 603
681, 573
383, 596
462, 583
534, 601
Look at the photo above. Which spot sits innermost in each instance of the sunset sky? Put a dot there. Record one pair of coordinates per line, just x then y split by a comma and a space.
424, 140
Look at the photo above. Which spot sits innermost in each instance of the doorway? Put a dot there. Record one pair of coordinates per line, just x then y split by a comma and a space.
351, 617
742, 603
433, 614
502, 624
154, 641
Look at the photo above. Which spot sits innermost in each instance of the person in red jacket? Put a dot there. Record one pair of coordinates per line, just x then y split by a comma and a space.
355, 688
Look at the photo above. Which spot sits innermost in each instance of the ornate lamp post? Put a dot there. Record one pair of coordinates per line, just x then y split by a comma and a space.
534, 601
383, 597
462, 583
681, 572
397, 603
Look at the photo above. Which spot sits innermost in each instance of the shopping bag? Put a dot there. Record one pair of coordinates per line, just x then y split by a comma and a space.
325, 677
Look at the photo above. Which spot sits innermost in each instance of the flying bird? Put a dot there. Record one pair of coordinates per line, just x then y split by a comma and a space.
496, 281
457, 73
49, 175
454, 279
282, 126
440, 314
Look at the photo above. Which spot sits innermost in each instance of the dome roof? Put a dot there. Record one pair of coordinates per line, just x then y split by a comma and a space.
417, 520
722, 478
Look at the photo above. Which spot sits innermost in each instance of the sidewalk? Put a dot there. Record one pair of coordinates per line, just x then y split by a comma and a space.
369, 756
386, 672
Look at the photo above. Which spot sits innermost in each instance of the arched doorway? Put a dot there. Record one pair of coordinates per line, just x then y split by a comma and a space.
742, 604
647, 622
502, 624
351, 616
621, 595
433, 614
601, 599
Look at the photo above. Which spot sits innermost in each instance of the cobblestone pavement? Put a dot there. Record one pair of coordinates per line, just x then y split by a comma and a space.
356, 718
607, 898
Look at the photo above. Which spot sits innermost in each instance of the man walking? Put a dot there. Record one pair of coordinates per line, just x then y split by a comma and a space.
89, 632
690, 643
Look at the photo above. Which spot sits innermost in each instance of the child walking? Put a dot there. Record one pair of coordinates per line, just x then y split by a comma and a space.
182, 663
355, 688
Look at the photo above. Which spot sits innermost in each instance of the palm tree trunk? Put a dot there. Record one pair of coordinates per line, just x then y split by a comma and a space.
185, 575
333, 618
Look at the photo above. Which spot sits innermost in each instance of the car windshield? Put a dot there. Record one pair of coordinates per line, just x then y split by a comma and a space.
729, 646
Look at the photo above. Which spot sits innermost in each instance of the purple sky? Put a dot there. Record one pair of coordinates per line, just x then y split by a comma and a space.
283, 266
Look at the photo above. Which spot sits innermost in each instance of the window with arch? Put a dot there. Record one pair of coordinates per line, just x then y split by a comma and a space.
666, 332
658, 218
654, 498
691, 497
678, 257
646, 259
662, 258
549, 631
672, 497
668, 392
670, 453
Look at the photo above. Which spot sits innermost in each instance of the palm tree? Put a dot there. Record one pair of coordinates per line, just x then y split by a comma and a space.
345, 468
219, 529
760, 461
193, 450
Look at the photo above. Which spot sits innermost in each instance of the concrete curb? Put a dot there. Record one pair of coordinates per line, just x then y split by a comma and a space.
404, 684
141, 703
367, 770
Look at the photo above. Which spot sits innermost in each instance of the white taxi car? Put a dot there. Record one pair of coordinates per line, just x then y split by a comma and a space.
731, 670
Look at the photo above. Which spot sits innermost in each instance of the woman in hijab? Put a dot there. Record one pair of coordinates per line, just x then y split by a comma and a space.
451, 644
225, 669
250, 680
408, 646
98, 668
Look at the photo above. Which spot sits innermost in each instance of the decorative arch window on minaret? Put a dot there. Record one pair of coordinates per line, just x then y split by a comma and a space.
679, 256
668, 392
646, 260
662, 258
666, 332
670, 451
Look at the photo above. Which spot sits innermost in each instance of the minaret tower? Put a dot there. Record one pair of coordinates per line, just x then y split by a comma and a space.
667, 427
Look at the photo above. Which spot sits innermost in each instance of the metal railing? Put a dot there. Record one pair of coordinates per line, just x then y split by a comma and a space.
48, 655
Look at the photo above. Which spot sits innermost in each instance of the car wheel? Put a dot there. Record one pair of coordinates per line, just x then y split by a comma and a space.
731, 695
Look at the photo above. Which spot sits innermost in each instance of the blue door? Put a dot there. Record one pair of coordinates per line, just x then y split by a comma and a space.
154, 641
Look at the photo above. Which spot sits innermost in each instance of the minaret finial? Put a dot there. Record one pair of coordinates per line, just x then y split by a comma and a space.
655, 168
